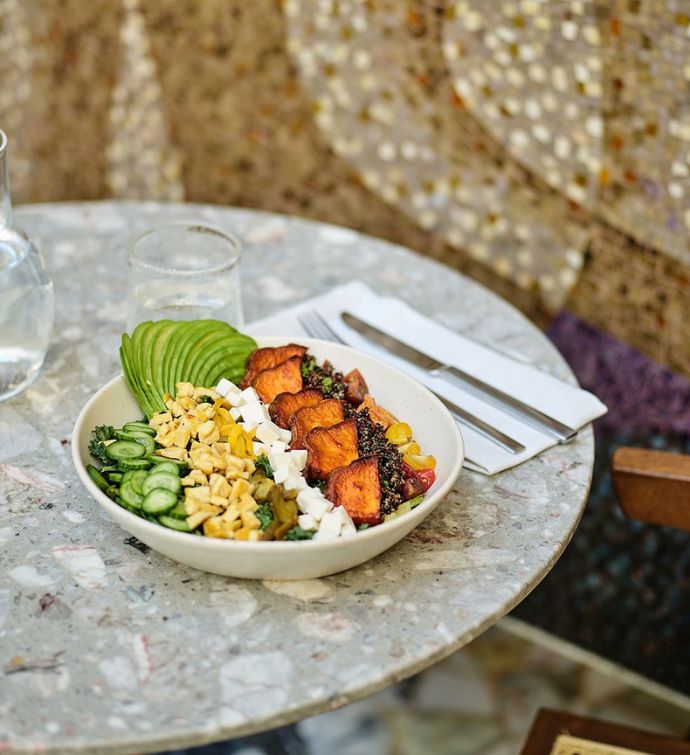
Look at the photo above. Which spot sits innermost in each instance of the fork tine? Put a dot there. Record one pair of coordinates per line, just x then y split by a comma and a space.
317, 327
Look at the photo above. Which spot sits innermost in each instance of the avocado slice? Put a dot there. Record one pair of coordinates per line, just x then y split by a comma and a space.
227, 359
198, 353
143, 345
130, 373
154, 362
189, 349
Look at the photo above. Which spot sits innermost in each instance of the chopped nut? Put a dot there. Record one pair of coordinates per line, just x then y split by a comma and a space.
184, 389
182, 436
219, 500
208, 433
160, 418
232, 514
195, 520
239, 488
201, 494
254, 535
219, 485
173, 453
249, 519
247, 503
243, 533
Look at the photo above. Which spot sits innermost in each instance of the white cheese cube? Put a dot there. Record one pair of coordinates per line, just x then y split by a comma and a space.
319, 535
313, 506
235, 414
261, 448
299, 459
294, 481
285, 435
254, 414
235, 399
267, 432
279, 460
248, 396
331, 523
224, 387
307, 522
278, 447
348, 526
280, 474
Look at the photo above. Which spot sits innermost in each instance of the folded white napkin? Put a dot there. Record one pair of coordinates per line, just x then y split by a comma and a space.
566, 403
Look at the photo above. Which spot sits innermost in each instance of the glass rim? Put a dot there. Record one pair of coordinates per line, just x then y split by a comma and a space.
234, 242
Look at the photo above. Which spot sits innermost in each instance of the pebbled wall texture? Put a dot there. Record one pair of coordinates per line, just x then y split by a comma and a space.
542, 148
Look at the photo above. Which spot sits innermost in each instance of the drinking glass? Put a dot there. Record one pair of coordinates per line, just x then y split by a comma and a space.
26, 298
184, 272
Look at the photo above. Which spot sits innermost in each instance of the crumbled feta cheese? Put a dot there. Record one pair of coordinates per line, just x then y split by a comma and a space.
347, 525
299, 459
285, 435
279, 460
224, 387
307, 522
294, 481
324, 535
235, 414
254, 414
280, 474
311, 501
268, 432
261, 448
249, 396
278, 446
330, 524
234, 399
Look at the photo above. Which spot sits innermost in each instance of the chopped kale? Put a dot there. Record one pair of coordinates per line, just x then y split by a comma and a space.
297, 533
265, 515
308, 366
97, 446
262, 462
327, 384
364, 526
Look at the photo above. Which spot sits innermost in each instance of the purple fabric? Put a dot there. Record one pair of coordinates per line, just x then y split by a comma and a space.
642, 396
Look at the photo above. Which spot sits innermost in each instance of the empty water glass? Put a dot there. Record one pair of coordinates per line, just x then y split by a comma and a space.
184, 272
26, 298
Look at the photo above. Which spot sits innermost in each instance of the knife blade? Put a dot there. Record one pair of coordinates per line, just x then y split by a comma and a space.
436, 368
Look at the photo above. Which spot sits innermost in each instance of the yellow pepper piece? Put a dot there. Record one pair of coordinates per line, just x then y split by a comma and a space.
399, 433
418, 462
410, 448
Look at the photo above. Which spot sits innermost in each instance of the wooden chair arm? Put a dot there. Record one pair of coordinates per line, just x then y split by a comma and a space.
653, 486
550, 724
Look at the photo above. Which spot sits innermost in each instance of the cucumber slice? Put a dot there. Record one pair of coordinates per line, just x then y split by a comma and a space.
159, 461
97, 477
171, 467
122, 450
140, 427
130, 496
179, 512
159, 501
133, 463
114, 476
161, 480
136, 478
119, 501
138, 437
174, 524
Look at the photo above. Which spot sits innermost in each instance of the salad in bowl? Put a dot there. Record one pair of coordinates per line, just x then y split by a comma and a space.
276, 445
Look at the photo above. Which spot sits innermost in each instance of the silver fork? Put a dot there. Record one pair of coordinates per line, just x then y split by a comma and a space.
315, 326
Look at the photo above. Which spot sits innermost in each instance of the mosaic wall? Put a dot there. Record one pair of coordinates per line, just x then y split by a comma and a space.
543, 147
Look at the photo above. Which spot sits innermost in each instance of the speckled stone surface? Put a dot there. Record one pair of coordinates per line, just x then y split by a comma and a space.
105, 647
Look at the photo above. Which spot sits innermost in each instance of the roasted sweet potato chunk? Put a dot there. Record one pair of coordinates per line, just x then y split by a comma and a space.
324, 414
377, 413
357, 489
267, 358
286, 404
356, 387
330, 447
284, 378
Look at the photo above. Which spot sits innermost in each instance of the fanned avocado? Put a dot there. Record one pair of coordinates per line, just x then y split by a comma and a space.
160, 354
225, 360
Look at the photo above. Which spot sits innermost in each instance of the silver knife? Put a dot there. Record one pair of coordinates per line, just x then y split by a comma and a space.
435, 368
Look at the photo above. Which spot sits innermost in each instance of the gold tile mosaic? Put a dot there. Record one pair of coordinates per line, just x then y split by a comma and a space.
505, 137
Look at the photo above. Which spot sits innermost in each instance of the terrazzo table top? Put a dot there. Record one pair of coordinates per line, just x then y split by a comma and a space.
107, 646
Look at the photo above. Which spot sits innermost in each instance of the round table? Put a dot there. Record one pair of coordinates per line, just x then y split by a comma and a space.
108, 646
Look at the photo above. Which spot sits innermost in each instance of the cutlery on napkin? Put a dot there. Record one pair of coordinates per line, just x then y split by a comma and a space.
566, 403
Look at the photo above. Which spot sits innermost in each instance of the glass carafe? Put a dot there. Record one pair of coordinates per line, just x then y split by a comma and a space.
26, 298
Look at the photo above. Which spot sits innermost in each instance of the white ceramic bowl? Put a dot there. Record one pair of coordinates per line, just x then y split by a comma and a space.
434, 430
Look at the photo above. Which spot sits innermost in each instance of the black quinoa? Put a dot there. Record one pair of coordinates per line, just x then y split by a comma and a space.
323, 377
373, 442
